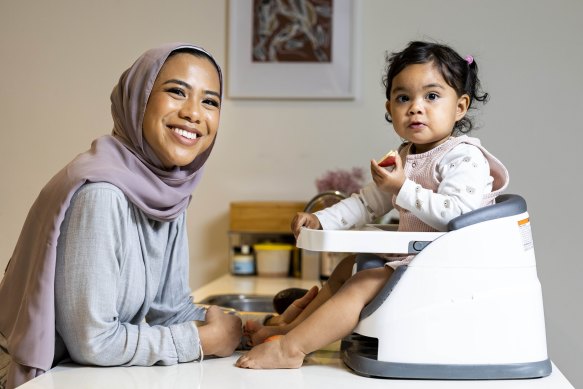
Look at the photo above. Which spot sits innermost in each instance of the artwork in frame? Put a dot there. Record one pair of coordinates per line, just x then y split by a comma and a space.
290, 49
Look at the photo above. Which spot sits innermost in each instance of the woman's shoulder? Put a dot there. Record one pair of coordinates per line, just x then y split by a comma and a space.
100, 194
99, 189
109, 199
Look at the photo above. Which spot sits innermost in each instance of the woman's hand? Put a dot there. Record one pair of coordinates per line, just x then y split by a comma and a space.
221, 333
388, 180
303, 219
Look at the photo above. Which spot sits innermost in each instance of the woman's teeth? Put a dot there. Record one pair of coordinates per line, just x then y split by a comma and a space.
186, 134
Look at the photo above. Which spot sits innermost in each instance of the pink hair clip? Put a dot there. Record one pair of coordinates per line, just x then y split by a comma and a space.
469, 59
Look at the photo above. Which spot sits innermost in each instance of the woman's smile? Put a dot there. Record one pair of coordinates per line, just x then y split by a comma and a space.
183, 110
186, 136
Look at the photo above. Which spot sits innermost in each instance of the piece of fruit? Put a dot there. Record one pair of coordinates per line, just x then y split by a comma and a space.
388, 159
272, 338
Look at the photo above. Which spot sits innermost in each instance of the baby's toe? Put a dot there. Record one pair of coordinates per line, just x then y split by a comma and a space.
241, 361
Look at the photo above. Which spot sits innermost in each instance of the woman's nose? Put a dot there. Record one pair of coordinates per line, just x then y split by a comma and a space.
190, 110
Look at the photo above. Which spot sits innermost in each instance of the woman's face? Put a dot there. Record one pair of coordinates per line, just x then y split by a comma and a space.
183, 110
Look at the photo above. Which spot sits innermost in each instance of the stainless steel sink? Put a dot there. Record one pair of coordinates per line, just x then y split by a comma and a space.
241, 302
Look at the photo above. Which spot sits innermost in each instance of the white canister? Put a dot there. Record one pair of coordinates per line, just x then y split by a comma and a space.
273, 259
243, 262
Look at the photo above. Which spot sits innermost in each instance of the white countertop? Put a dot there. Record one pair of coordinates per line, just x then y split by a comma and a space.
322, 369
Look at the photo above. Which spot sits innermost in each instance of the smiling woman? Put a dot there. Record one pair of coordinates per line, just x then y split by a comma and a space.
99, 273
182, 115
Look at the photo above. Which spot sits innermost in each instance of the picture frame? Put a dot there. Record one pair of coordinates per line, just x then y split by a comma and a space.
249, 79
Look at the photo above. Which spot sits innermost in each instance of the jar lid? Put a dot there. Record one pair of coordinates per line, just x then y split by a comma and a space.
272, 246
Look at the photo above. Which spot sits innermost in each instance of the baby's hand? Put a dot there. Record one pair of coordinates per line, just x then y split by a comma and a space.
304, 219
388, 181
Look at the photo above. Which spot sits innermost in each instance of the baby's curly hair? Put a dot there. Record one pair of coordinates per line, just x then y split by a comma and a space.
459, 73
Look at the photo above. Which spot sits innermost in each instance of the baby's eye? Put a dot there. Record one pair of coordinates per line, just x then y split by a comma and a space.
402, 98
432, 96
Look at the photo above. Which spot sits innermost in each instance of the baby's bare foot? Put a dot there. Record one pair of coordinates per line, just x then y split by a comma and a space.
276, 354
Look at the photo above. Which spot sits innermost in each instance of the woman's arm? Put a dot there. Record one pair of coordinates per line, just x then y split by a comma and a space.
102, 299
173, 301
220, 334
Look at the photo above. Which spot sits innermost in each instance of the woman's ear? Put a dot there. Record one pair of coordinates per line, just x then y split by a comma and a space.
463, 104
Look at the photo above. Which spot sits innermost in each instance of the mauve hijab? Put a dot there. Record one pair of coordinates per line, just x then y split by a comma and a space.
123, 159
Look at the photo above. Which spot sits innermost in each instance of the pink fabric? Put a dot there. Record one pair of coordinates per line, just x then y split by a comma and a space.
426, 177
122, 159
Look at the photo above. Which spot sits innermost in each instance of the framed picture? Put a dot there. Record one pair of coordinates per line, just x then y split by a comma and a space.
284, 49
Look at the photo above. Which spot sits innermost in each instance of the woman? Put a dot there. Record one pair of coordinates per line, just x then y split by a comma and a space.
99, 273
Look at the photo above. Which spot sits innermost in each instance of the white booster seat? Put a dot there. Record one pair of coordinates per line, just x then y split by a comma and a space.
468, 306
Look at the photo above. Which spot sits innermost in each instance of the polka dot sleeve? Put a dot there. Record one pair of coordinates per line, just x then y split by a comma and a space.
464, 176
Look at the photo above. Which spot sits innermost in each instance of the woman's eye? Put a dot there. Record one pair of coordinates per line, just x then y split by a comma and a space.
177, 91
212, 102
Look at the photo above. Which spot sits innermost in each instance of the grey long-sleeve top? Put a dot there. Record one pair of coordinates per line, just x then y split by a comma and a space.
121, 284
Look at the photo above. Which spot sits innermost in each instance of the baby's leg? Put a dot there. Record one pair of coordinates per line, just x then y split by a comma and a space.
280, 325
339, 276
335, 319
258, 331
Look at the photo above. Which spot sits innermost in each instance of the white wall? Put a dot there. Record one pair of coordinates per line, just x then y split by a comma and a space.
60, 59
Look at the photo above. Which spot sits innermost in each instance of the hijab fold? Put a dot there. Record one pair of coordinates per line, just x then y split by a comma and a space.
122, 159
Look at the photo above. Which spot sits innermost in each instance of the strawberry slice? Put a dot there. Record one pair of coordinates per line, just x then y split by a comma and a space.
388, 159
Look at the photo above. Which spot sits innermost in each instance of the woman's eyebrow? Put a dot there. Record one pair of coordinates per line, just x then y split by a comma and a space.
189, 87
211, 92
179, 82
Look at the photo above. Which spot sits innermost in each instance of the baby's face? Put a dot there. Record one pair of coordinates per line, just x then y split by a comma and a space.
423, 107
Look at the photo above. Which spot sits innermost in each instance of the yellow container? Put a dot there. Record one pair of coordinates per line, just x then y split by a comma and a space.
272, 259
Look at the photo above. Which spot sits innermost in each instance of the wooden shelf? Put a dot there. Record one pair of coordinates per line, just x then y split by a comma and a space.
264, 216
